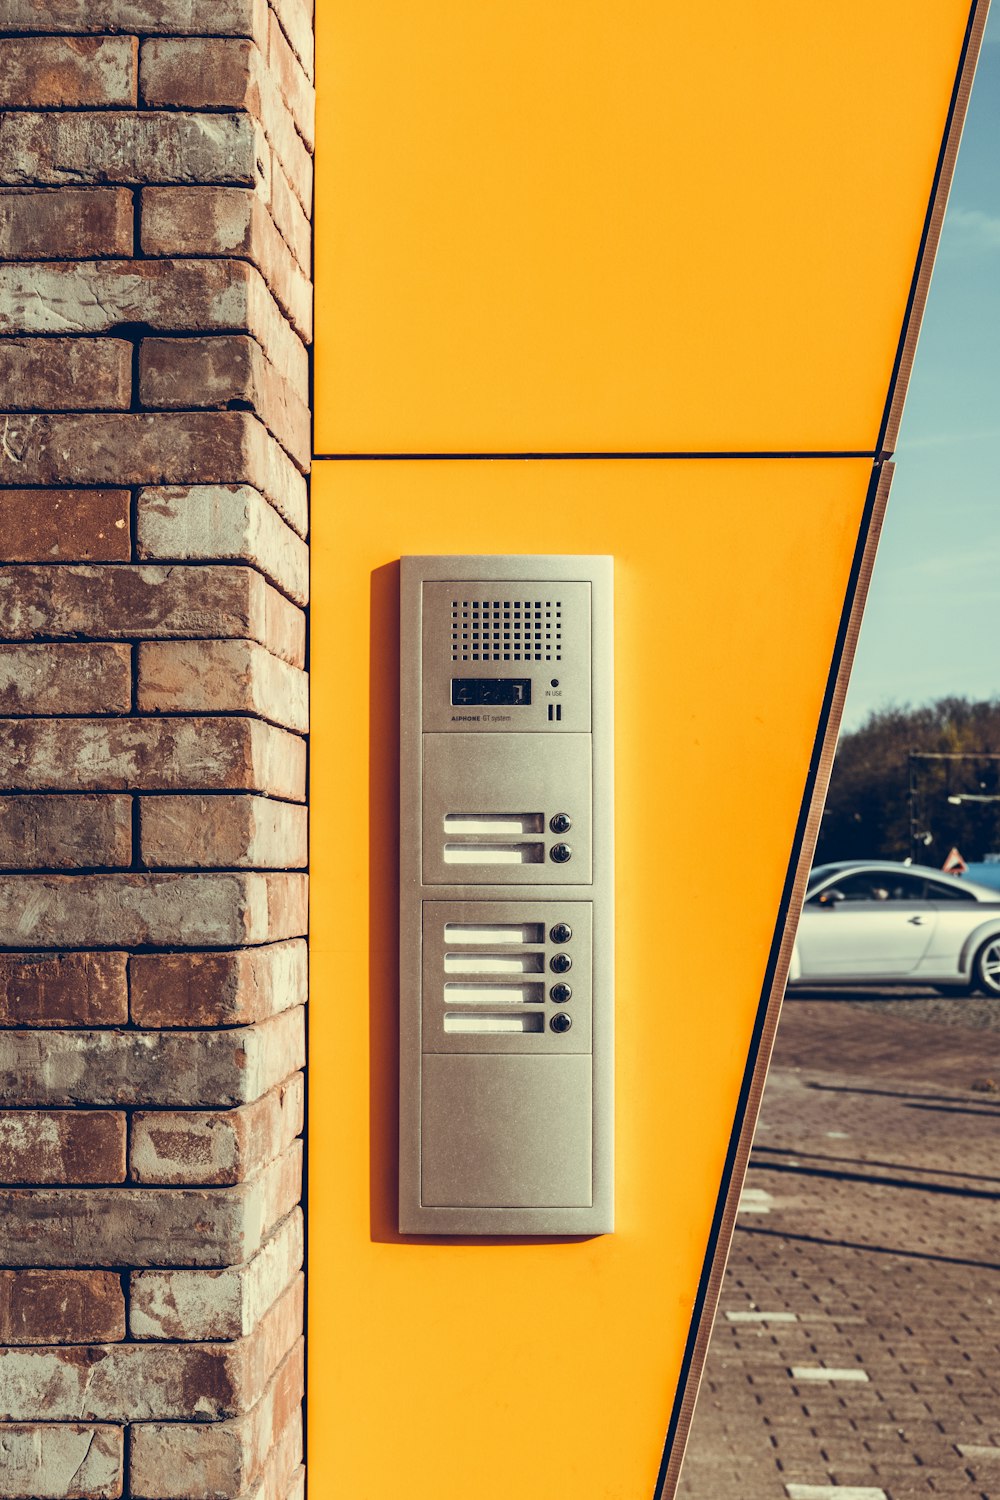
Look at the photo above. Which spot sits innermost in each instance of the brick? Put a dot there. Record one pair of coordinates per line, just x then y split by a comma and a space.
65, 223
225, 371
201, 1305
285, 1451
165, 754
296, 89
82, 1227
122, 1382
178, 1070
61, 1307
198, 910
65, 374
216, 1148
223, 521
216, 989
197, 73
221, 832
296, 17
63, 989
119, 600
293, 224
85, 678
52, 1146
230, 221
297, 1485
234, 676
62, 833
169, 296
227, 447
68, 72
64, 526
190, 1461
51, 1460
53, 149
207, 17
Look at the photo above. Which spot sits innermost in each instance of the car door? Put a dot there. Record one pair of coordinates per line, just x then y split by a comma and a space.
868, 925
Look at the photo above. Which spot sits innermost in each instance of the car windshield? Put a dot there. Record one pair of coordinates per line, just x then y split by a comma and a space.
818, 873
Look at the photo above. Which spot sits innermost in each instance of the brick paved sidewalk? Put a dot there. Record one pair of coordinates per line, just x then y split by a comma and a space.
869, 1233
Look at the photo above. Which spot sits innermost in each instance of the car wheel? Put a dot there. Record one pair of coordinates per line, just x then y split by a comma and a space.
986, 967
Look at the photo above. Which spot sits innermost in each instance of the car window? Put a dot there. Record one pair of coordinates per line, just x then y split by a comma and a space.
873, 885
936, 892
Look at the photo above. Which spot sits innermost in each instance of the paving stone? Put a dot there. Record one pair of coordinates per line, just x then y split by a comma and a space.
881, 1243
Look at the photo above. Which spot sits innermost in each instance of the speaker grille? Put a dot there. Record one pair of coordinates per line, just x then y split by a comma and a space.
506, 630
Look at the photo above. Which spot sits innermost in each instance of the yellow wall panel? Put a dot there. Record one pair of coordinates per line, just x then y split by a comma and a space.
640, 227
530, 1368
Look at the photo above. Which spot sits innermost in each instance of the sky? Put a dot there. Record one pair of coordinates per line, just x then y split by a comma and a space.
932, 625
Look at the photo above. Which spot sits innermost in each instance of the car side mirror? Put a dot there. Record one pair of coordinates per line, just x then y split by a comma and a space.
831, 898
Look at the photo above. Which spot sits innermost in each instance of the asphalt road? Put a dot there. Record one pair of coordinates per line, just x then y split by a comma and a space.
856, 1354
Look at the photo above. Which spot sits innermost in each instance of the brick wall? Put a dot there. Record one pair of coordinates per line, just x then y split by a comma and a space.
155, 311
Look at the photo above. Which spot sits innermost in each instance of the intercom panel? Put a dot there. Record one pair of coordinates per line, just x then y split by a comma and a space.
506, 891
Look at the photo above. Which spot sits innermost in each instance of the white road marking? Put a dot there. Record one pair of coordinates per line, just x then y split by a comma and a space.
755, 1201
978, 1450
834, 1492
762, 1317
820, 1372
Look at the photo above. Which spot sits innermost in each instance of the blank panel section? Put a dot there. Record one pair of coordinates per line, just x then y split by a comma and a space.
542, 1159
631, 227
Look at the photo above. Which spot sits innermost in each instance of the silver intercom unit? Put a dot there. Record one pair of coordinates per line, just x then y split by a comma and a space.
506, 891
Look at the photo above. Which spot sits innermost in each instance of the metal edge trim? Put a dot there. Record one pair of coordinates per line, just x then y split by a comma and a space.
933, 223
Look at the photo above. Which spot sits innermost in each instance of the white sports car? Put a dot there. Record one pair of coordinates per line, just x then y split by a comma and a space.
879, 922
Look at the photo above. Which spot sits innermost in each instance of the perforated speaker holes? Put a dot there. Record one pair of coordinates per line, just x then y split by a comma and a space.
506, 630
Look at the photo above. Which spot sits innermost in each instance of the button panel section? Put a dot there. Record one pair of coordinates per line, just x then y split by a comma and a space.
483, 976
489, 803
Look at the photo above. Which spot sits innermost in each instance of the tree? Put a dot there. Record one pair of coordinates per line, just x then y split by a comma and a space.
869, 807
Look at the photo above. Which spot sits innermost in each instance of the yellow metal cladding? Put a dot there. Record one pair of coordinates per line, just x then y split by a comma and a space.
537, 1369
557, 228
576, 226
